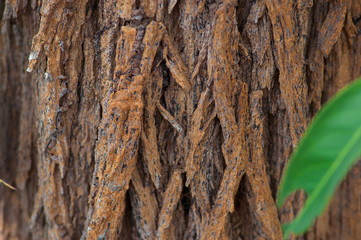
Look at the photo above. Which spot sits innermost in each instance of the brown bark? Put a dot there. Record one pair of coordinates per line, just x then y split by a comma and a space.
155, 119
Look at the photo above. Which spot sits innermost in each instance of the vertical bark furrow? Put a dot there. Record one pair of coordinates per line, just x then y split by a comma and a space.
144, 206
154, 83
197, 131
224, 70
60, 33
260, 197
170, 202
149, 147
261, 202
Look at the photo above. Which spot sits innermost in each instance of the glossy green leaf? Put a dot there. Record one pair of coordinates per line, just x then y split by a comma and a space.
326, 152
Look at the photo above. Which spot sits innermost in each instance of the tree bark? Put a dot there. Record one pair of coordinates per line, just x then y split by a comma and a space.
156, 119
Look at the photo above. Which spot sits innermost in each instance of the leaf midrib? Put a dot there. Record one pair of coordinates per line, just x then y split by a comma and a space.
339, 160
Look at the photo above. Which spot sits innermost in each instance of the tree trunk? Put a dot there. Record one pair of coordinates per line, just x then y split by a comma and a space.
145, 119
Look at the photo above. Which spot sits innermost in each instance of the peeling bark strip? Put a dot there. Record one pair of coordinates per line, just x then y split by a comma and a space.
119, 137
118, 141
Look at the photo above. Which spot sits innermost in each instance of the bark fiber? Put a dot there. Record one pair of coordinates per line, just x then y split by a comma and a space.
167, 119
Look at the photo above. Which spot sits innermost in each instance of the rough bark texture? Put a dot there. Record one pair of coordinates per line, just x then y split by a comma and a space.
166, 119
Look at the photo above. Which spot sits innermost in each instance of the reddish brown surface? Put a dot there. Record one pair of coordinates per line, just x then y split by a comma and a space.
162, 119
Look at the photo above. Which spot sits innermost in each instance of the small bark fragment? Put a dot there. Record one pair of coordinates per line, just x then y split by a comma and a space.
175, 64
171, 5
167, 116
149, 7
125, 8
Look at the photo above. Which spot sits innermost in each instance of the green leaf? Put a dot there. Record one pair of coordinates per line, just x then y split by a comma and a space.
326, 152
